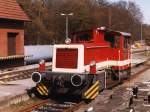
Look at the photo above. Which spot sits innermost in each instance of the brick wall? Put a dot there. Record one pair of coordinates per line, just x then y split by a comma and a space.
20, 43
3, 43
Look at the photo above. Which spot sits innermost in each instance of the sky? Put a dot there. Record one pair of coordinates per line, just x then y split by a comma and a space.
144, 5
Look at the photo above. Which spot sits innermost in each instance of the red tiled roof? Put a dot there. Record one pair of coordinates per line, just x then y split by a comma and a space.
10, 9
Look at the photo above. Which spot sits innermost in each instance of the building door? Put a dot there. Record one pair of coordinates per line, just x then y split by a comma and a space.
12, 44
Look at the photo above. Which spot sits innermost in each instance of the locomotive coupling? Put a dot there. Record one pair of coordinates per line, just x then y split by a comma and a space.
36, 77
59, 81
77, 80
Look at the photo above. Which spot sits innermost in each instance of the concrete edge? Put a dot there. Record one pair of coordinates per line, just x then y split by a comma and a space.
9, 100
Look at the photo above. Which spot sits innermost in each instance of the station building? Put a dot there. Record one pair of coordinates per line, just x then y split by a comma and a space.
12, 18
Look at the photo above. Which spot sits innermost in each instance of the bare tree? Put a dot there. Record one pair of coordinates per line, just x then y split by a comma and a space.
48, 26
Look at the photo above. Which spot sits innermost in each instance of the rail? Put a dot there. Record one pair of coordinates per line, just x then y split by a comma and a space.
18, 75
52, 106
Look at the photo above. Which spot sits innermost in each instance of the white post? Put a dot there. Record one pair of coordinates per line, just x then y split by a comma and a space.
128, 56
105, 80
67, 17
141, 32
106, 75
131, 56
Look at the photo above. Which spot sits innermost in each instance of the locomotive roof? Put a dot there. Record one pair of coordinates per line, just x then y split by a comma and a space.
113, 31
121, 33
125, 34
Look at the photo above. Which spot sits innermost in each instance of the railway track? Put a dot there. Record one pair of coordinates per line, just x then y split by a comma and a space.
113, 84
52, 106
23, 74
26, 73
138, 73
17, 75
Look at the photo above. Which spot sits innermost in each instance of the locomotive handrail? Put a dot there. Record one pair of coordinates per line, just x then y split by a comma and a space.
96, 47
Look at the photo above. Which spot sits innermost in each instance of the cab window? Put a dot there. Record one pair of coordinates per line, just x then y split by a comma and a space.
83, 36
113, 39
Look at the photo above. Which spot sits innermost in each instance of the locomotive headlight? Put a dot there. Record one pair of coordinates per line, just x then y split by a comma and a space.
68, 41
77, 80
36, 77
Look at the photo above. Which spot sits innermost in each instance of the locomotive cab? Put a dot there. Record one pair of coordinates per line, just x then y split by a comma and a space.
79, 67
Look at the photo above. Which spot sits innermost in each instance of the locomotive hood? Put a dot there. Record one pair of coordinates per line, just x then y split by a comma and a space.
68, 58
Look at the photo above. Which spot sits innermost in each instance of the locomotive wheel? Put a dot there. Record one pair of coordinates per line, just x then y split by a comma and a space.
41, 91
126, 73
129, 72
115, 75
123, 74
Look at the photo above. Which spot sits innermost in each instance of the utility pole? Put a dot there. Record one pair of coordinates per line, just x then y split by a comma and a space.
41, 7
109, 17
141, 32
